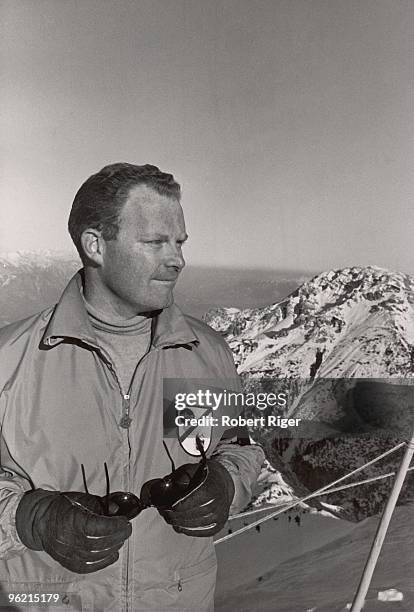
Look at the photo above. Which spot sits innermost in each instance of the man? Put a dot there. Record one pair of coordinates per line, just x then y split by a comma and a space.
81, 392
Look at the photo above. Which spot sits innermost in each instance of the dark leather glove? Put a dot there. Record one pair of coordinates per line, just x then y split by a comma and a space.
194, 499
71, 528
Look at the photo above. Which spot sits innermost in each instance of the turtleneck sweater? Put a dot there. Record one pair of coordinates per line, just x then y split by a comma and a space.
124, 341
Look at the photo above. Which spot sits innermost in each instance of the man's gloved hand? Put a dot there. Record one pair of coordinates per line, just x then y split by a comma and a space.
71, 528
201, 509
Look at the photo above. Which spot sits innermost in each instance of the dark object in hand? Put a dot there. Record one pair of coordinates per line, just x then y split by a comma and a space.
194, 499
118, 503
72, 528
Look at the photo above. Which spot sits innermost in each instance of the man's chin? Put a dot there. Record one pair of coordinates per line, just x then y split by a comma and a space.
157, 300
164, 302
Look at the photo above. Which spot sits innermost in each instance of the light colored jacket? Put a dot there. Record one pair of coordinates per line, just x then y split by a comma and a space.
60, 406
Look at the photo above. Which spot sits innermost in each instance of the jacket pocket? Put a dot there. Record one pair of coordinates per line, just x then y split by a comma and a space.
197, 569
187, 589
196, 584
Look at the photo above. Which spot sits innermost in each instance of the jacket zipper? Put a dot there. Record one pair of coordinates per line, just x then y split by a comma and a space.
125, 423
126, 420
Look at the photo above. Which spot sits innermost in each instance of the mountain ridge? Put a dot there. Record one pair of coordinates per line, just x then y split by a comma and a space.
323, 341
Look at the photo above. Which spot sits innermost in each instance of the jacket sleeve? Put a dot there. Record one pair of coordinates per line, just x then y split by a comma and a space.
244, 464
12, 484
12, 489
242, 461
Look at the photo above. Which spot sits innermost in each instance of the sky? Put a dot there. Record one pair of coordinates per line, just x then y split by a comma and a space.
288, 123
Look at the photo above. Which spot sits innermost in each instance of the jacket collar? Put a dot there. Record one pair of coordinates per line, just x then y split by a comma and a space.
70, 320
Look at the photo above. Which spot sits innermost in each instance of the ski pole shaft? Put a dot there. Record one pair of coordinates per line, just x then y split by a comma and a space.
369, 568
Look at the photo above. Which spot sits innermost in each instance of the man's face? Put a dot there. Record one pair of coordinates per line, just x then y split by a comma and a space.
141, 266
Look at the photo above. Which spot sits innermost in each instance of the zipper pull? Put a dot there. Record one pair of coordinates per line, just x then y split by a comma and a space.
125, 421
177, 577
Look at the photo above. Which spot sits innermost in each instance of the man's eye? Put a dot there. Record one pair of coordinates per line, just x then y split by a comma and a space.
154, 241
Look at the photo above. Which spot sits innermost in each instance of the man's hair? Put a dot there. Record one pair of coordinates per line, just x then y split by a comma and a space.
99, 201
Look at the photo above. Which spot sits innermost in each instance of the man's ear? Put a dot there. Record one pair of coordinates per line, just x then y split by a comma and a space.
93, 246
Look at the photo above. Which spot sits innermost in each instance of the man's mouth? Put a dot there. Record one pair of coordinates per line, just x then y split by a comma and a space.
167, 279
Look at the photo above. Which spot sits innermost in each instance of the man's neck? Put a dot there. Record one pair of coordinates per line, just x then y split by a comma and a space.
106, 302
108, 322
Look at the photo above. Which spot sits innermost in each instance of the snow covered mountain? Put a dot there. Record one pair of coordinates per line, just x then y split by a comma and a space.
324, 341
32, 281
361, 319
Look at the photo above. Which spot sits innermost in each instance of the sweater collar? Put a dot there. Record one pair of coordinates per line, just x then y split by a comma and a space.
70, 320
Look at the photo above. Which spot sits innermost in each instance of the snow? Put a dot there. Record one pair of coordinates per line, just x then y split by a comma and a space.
317, 566
43, 256
390, 595
277, 542
331, 507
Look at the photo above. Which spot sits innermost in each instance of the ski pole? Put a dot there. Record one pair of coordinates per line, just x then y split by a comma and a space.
374, 553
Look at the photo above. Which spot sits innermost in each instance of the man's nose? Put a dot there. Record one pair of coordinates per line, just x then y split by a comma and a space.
174, 257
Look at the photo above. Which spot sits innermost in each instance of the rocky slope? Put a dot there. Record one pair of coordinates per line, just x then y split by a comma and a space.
321, 344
